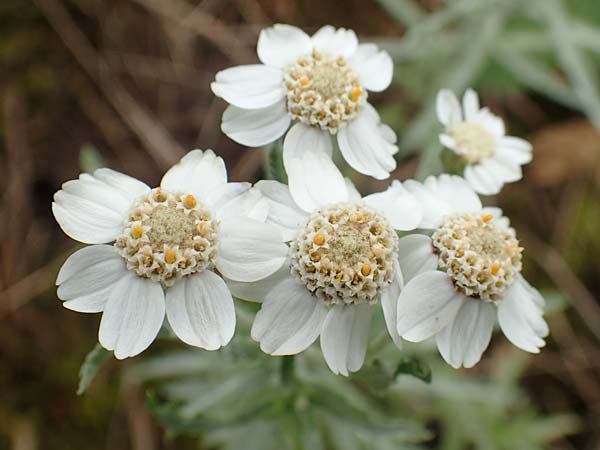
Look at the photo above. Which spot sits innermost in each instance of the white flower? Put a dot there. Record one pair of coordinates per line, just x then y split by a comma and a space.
479, 138
321, 84
166, 243
465, 274
342, 260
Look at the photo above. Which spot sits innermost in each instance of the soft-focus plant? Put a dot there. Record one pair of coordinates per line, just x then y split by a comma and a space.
501, 45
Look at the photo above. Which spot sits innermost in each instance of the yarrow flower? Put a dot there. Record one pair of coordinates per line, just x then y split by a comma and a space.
156, 250
342, 260
479, 138
464, 275
321, 83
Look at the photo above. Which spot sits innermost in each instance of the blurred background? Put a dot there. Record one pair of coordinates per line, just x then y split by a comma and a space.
125, 84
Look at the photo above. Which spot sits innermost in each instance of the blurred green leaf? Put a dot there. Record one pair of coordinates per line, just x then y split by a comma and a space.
254, 435
226, 390
90, 159
274, 162
407, 12
451, 162
477, 40
321, 380
94, 360
414, 367
534, 75
172, 365
573, 62
375, 375
586, 36
555, 301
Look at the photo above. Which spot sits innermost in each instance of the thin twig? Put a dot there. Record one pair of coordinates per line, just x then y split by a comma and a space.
29, 287
159, 69
142, 431
103, 116
16, 180
159, 143
552, 262
205, 25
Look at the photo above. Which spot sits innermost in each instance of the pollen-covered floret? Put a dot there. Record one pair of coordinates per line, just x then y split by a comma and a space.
323, 91
345, 254
168, 235
475, 142
481, 257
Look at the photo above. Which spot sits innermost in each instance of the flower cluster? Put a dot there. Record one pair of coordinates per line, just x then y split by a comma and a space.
317, 255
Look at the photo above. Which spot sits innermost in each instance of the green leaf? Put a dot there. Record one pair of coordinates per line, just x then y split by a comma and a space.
375, 375
414, 367
535, 75
430, 163
572, 60
477, 39
90, 158
451, 162
229, 390
90, 367
407, 12
586, 36
264, 436
274, 162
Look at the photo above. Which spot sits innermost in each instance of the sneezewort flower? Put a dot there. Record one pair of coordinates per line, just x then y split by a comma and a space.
321, 84
464, 275
155, 251
342, 260
479, 138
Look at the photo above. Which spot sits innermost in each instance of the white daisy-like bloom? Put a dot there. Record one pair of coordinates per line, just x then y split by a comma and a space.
342, 260
155, 252
479, 138
464, 275
320, 84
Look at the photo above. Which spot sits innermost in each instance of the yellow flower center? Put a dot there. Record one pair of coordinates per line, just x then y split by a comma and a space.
323, 91
167, 236
481, 257
345, 254
474, 141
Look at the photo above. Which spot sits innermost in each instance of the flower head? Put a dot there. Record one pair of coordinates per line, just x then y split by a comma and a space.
465, 274
154, 252
321, 84
478, 137
342, 260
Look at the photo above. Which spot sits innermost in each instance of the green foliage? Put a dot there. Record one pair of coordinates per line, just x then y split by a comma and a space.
482, 413
499, 45
90, 158
297, 403
286, 402
93, 362
274, 169
414, 367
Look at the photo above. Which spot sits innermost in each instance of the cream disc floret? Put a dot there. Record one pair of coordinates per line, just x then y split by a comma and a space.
323, 91
168, 235
476, 143
345, 254
481, 257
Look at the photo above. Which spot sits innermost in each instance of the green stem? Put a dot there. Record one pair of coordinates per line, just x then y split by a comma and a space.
287, 369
